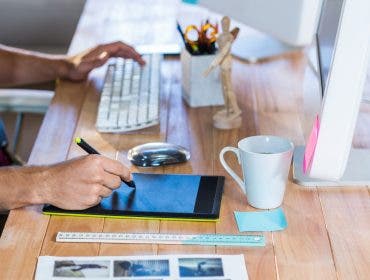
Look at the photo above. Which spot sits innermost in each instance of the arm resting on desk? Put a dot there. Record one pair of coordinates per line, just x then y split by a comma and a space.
19, 67
75, 184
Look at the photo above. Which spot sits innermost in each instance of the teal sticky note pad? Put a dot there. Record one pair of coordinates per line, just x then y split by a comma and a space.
272, 220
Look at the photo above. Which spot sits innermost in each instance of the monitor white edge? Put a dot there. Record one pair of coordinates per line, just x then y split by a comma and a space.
343, 92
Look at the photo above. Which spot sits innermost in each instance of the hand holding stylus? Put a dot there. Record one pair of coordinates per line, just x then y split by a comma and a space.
78, 183
90, 150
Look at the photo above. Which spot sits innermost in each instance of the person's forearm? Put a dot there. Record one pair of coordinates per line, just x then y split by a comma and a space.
19, 67
21, 186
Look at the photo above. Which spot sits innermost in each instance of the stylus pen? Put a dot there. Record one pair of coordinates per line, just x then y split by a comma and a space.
90, 150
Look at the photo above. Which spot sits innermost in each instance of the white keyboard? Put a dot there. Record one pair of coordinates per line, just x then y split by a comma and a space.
130, 97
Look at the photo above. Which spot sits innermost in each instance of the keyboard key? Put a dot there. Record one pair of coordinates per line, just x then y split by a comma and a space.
130, 95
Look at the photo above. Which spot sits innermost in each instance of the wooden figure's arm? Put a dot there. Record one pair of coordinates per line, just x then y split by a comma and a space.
218, 59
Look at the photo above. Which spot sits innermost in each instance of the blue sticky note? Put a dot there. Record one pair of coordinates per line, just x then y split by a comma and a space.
261, 221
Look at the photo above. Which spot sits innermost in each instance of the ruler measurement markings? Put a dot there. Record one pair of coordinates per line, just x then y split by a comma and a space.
158, 238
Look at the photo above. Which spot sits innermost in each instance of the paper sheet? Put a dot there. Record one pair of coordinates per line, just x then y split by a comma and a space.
271, 220
166, 267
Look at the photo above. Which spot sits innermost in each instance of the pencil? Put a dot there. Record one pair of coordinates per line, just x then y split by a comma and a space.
90, 150
187, 45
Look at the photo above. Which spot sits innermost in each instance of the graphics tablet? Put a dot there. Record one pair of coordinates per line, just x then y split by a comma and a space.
159, 196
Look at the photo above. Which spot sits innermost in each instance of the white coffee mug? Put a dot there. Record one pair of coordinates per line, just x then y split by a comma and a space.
265, 162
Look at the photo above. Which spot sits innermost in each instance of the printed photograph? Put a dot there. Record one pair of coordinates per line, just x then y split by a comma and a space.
141, 268
200, 267
81, 269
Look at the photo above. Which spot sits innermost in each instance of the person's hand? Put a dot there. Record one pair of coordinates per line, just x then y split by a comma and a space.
81, 64
82, 182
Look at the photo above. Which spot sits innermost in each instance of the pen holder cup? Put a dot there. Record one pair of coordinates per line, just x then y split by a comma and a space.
197, 90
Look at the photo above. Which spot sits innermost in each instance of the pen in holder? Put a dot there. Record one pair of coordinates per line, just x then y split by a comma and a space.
197, 55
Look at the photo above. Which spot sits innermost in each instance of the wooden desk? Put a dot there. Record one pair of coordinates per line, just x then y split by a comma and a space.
328, 232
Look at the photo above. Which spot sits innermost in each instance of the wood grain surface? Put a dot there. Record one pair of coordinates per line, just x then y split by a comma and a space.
328, 232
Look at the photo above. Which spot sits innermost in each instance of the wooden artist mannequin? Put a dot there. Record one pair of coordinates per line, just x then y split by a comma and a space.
230, 116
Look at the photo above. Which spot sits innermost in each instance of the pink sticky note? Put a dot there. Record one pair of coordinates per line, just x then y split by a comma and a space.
311, 145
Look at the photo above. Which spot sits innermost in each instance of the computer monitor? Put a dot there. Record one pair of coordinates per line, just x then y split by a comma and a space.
46, 26
285, 25
343, 53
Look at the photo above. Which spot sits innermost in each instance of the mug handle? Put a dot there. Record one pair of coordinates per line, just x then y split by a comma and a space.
227, 167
